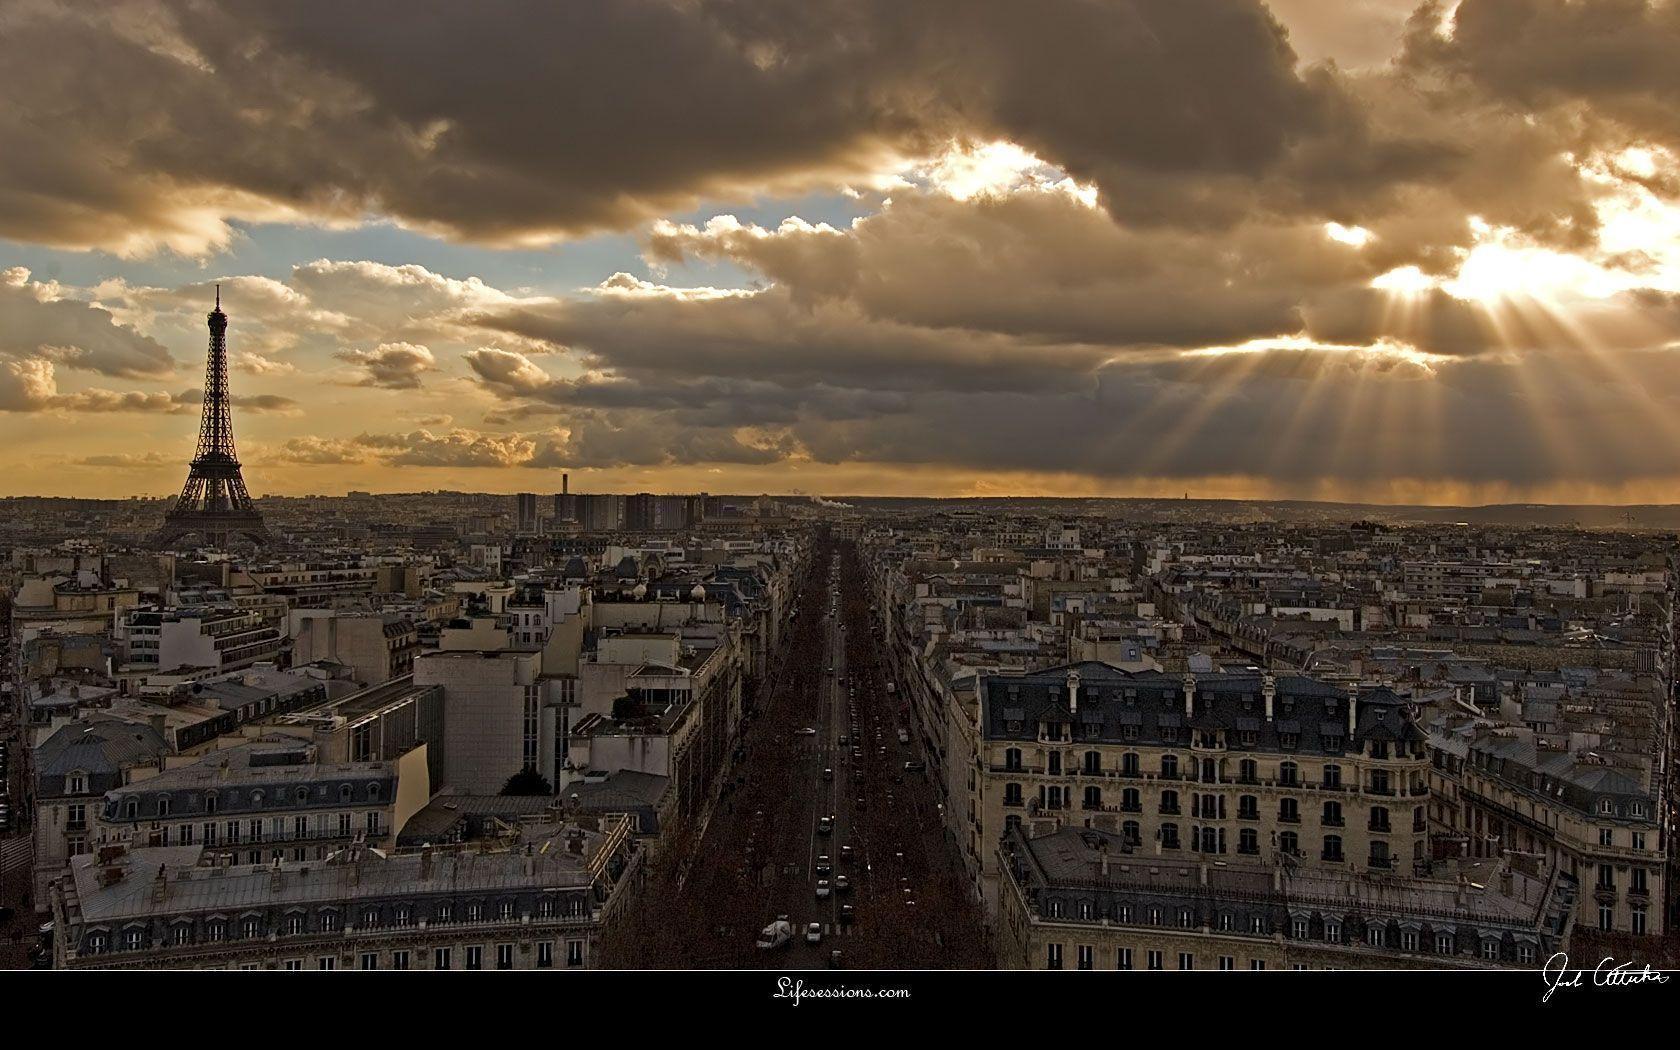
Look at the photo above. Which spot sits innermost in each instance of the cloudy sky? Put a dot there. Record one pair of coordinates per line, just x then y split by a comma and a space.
1341, 249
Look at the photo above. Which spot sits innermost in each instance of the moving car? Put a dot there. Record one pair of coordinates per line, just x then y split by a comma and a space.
823, 866
813, 933
776, 935
825, 825
823, 888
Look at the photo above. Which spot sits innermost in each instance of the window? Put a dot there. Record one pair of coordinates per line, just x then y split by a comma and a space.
1332, 815
370, 961
1085, 956
326, 962
1490, 949
1248, 808
1256, 964
1289, 843
1169, 836
1332, 847
1093, 798
1012, 760
1169, 802
1227, 962
1012, 794
1289, 774
1129, 764
1248, 841
1155, 962
1169, 767
574, 953
294, 925
475, 957
504, 956
1052, 957
1443, 943
1636, 918
440, 958
399, 960
545, 955
1298, 928
1186, 961
1123, 959
1333, 776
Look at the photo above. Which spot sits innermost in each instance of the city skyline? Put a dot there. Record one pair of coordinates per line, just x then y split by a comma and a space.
1386, 252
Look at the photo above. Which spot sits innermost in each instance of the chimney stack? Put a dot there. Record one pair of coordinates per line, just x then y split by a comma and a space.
1268, 689
1353, 711
1189, 695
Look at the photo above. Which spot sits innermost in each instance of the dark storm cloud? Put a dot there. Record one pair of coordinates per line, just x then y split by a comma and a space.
507, 120
1619, 58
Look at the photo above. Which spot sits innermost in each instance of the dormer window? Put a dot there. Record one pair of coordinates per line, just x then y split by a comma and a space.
76, 784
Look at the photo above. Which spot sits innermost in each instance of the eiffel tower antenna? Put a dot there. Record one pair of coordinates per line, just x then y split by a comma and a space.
214, 503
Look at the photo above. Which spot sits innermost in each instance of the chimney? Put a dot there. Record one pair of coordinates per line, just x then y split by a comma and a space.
1102, 857
530, 862
160, 886
1353, 711
1189, 695
1073, 691
159, 723
1268, 689
276, 877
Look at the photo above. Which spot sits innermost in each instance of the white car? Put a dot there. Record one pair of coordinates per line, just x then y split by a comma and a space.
823, 888
813, 933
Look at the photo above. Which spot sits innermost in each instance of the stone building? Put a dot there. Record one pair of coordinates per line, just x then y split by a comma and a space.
1085, 899
1240, 767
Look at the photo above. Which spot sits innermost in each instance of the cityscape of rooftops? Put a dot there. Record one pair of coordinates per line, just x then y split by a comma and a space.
809, 486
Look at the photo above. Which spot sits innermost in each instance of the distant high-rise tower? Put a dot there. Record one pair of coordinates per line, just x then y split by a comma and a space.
214, 503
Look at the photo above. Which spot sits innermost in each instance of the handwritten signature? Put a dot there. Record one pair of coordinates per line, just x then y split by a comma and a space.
1607, 974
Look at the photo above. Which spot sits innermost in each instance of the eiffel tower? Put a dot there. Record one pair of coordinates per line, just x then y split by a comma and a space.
213, 502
